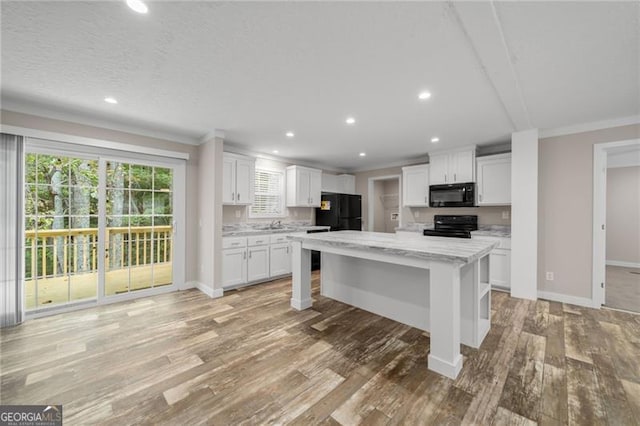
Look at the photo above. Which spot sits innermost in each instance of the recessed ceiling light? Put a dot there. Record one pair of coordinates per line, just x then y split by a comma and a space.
110, 100
434, 140
363, 154
138, 6
350, 120
275, 151
424, 95
290, 134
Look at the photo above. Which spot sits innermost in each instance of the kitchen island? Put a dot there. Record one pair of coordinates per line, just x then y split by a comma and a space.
432, 283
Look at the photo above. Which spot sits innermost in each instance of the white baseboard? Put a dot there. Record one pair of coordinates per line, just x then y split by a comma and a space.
623, 263
211, 292
565, 298
189, 285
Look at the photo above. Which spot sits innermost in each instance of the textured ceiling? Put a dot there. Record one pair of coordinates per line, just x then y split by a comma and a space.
257, 70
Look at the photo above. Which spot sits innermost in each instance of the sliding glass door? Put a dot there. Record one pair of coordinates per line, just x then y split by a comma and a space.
138, 232
97, 227
61, 221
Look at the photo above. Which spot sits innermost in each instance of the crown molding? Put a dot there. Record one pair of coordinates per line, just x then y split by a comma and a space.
589, 127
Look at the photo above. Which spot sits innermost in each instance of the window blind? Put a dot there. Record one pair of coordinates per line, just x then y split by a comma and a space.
269, 194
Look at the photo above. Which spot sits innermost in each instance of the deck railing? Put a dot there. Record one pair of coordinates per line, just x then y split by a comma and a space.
58, 252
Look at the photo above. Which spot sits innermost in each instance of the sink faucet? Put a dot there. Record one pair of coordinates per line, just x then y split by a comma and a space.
275, 224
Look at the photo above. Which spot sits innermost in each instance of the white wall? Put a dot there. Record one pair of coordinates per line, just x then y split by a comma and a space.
210, 217
524, 207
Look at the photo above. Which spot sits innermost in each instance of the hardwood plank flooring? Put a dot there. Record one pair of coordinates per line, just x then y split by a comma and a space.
248, 358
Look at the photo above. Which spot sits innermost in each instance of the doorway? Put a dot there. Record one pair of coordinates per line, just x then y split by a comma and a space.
617, 225
98, 227
384, 203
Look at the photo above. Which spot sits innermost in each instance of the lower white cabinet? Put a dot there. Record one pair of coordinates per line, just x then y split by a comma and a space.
254, 259
234, 266
500, 262
280, 259
257, 263
500, 269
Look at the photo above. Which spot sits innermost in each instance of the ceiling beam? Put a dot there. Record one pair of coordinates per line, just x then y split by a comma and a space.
481, 26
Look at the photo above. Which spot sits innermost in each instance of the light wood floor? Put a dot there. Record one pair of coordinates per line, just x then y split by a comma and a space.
185, 359
623, 288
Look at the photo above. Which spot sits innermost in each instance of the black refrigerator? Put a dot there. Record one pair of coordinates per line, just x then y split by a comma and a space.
342, 212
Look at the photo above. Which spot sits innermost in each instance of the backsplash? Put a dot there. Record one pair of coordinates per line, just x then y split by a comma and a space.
294, 214
487, 215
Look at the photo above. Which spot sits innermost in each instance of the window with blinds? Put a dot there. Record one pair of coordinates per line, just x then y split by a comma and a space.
269, 194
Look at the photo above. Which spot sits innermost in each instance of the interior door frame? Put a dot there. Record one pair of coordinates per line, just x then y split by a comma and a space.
57, 147
599, 270
371, 201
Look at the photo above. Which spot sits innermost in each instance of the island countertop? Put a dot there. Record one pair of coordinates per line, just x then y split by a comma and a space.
457, 250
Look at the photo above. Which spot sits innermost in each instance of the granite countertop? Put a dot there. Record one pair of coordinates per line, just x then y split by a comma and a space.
502, 231
444, 249
247, 230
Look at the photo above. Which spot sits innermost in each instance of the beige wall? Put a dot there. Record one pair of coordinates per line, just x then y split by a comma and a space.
11, 118
307, 214
623, 214
565, 208
378, 207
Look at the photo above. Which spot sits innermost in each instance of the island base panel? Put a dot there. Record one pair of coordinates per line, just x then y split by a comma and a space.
301, 277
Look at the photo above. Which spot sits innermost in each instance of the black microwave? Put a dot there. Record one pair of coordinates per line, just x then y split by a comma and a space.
452, 195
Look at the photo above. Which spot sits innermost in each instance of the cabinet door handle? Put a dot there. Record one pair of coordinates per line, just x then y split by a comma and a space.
480, 197
238, 196
249, 254
445, 177
287, 250
233, 196
454, 177
244, 254
425, 199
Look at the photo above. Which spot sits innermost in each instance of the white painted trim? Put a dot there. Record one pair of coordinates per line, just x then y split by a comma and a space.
97, 143
370, 199
189, 285
13, 105
588, 127
209, 291
565, 298
600, 216
623, 263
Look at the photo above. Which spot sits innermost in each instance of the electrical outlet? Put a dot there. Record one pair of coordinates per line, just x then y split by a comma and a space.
549, 276
238, 213
505, 214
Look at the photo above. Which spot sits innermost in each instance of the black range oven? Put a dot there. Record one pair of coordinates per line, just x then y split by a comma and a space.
452, 195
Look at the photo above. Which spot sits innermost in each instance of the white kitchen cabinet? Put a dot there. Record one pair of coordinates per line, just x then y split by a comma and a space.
415, 186
494, 180
304, 186
238, 179
500, 269
346, 184
457, 166
257, 263
500, 262
234, 266
280, 259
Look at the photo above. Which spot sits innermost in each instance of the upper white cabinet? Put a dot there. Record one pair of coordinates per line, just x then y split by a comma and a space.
415, 186
238, 177
342, 184
457, 166
494, 180
303, 186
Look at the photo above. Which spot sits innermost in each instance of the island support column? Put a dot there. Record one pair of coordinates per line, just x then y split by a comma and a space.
444, 311
301, 271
